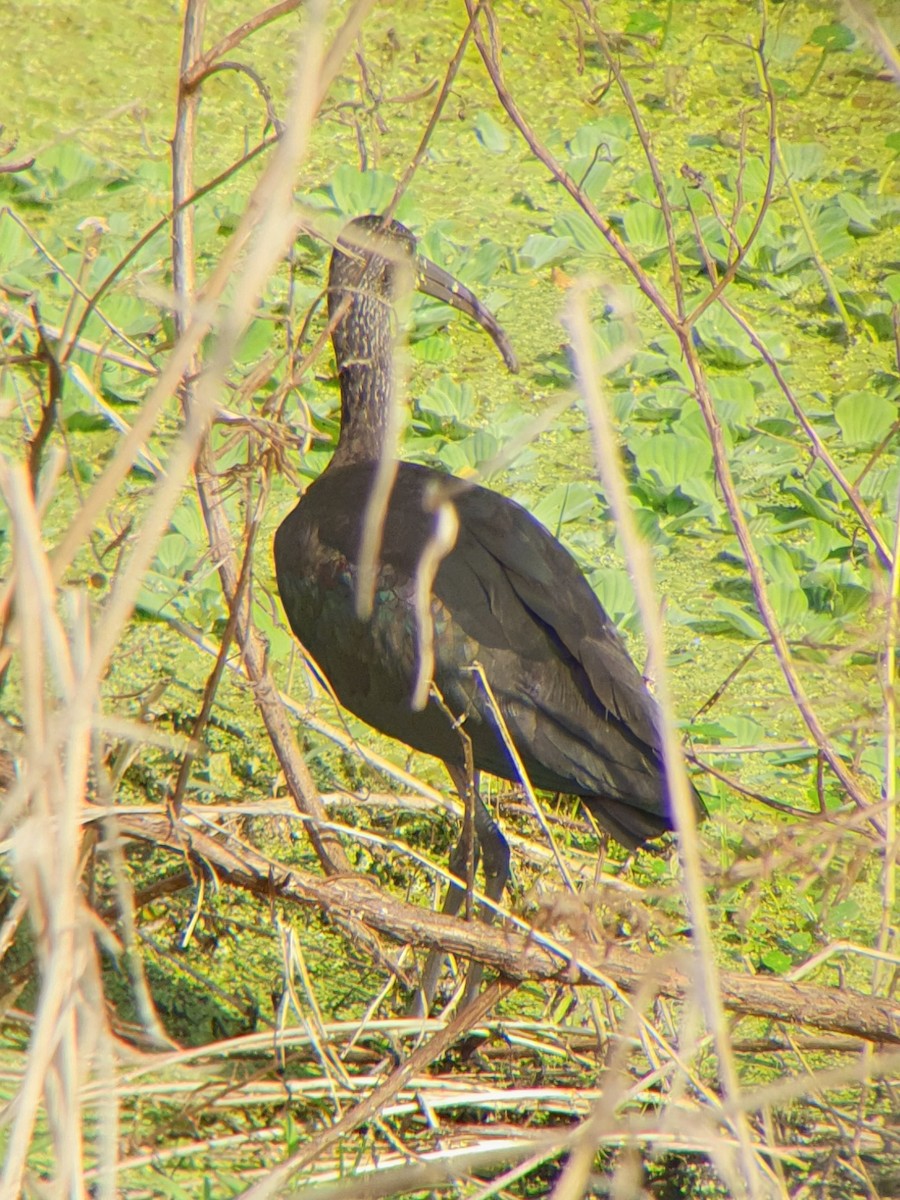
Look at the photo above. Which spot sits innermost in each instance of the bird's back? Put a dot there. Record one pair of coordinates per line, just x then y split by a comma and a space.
508, 597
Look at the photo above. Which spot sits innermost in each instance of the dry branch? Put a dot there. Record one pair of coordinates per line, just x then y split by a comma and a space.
516, 957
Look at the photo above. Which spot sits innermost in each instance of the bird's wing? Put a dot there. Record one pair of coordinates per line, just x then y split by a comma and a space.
550, 585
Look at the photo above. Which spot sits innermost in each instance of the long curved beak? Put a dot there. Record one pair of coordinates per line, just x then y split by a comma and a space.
440, 285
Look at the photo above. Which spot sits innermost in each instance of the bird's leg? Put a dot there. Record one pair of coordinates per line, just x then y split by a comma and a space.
462, 864
495, 856
489, 844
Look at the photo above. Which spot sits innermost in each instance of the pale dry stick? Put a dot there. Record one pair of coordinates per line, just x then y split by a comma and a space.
11, 922
404, 1173
612, 1083
883, 957
185, 1151
440, 542
125, 907
46, 487
521, 1171
887, 932
274, 1183
638, 561
396, 1176
334, 1073
183, 250
391, 1175
885, 1064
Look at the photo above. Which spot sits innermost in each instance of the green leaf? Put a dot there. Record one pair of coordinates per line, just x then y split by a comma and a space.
173, 553
602, 140
861, 219
804, 160
740, 619
789, 602
583, 233
672, 458
864, 418
615, 592
833, 37
257, 339
435, 349
452, 402
90, 412
810, 504
778, 562
781, 45
471, 454
355, 192
744, 731
188, 521
541, 249
591, 174
566, 502
722, 339
644, 227
491, 134
644, 22
777, 961
891, 284
843, 914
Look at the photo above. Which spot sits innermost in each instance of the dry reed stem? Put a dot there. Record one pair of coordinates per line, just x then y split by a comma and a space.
62, 672
753, 1174
68, 1034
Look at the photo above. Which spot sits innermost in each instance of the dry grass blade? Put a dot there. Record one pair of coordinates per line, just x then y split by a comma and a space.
69, 1039
752, 1174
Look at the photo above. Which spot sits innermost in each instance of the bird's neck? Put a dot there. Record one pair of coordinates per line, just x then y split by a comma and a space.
367, 397
364, 350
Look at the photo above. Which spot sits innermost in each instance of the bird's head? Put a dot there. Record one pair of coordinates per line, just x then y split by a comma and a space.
376, 258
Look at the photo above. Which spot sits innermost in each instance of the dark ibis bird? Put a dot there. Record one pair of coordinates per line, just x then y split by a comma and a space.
488, 595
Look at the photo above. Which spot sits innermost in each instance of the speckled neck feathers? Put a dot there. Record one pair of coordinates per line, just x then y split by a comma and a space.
367, 275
